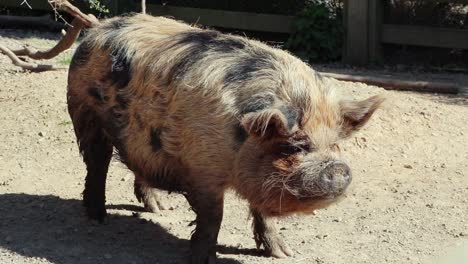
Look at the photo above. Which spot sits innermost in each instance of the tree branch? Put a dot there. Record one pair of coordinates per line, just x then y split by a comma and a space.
79, 22
65, 43
25, 65
88, 20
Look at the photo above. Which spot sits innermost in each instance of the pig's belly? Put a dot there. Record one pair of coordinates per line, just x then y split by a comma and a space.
142, 151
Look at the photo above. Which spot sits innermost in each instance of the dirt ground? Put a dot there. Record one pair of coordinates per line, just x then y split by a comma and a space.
408, 202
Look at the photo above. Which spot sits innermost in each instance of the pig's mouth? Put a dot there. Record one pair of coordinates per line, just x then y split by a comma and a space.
330, 182
304, 191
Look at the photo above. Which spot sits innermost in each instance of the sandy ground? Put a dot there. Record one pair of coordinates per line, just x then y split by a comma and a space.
408, 202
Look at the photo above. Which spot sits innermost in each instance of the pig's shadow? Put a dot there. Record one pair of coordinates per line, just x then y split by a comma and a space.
56, 229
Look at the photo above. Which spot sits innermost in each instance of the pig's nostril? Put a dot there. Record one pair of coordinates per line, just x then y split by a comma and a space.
332, 181
328, 177
336, 174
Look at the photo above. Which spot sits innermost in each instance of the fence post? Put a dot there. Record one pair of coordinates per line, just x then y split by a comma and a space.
356, 36
375, 30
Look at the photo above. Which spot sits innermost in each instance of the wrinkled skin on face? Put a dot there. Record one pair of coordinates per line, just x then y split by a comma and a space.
296, 167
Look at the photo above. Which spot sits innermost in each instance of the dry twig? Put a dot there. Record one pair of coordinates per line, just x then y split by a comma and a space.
65, 43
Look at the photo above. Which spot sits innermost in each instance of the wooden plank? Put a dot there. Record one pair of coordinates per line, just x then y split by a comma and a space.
226, 19
375, 29
356, 24
425, 36
35, 4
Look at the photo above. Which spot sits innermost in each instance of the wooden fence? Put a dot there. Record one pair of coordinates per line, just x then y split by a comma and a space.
366, 32
208, 17
365, 29
226, 19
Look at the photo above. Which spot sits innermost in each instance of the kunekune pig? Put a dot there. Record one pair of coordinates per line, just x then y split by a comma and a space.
198, 112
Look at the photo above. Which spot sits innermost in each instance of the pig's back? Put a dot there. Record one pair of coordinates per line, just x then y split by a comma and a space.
170, 95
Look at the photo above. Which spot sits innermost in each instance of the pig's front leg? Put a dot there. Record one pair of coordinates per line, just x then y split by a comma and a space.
266, 235
209, 210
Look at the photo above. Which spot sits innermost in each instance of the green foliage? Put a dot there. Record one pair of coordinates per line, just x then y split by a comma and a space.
318, 32
98, 6
427, 13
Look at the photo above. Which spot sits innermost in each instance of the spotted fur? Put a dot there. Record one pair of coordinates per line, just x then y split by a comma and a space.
196, 111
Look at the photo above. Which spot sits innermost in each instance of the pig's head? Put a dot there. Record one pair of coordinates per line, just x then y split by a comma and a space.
291, 160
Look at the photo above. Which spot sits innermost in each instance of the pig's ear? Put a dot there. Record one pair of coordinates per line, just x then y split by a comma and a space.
355, 114
272, 122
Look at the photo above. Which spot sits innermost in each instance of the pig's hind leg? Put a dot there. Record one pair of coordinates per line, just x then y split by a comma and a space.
149, 196
266, 235
96, 150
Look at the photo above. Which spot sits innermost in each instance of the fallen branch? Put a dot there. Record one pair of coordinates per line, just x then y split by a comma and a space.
88, 20
79, 22
28, 66
394, 84
65, 43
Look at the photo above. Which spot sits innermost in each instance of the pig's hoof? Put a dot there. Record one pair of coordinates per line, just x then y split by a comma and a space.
152, 204
97, 213
202, 259
275, 247
150, 198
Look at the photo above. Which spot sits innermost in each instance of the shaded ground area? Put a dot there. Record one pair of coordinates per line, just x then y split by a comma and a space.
407, 203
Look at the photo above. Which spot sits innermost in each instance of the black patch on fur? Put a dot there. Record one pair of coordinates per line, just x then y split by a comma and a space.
120, 75
155, 139
117, 24
246, 68
240, 135
210, 40
291, 115
120, 72
98, 94
229, 44
198, 43
257, 103
120, 69
81, 56
198, 38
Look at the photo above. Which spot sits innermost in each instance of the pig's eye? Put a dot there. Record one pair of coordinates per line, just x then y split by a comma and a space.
296, 147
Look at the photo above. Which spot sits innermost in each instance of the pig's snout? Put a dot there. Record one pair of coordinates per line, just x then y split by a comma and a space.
335, 178
326, 180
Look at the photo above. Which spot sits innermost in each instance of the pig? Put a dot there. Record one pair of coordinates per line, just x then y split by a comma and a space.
197, 112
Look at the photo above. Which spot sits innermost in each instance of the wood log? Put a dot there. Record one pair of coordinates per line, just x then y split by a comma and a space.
396, 84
